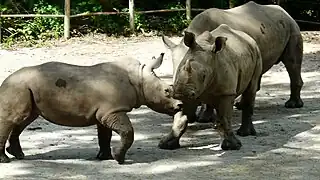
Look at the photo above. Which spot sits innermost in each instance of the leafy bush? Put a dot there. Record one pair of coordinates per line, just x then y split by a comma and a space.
41, 28
30, 29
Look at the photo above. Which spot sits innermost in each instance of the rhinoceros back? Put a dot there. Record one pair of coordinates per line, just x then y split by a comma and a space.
269, 25
76, 91
239, 61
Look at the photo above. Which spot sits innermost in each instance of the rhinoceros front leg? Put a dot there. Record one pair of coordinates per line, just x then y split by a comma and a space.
104, 139
14, 147
224, 109
171, 141
120, 123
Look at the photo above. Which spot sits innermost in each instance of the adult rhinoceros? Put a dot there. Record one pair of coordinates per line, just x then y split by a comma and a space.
79, 96
274, 30
219, 66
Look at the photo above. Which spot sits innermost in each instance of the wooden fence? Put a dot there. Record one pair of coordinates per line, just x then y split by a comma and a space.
67, 15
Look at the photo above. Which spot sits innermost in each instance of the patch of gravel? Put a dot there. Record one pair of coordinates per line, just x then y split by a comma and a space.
286, 147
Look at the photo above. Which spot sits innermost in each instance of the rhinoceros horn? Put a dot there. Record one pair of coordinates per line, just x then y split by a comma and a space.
155, 63
187, 65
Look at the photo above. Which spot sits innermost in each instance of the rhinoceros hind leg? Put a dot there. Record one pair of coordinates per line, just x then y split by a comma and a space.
292, 59
13, 113
120, 123
14, 147
246, 130
104, 139
231, 143
179, 126
239, 104
206, 114
4, 158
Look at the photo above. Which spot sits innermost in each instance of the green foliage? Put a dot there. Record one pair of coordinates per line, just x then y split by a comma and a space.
31, 29
42, 28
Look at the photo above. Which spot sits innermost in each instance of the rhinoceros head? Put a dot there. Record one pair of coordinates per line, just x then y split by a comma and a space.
194, 73
157, 93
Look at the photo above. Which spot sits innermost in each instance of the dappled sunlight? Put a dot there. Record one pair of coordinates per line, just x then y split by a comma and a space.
19, 169
306, 140
287, 141
166, 165
259, 122
213, 147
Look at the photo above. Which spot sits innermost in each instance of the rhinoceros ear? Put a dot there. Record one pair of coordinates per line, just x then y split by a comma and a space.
189, 39
169, 44
155, 63
220, 43
187, 65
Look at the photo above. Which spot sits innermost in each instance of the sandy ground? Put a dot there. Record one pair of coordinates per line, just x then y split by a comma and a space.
287, 145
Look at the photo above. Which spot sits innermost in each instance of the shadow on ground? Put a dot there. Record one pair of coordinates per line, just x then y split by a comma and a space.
287, 144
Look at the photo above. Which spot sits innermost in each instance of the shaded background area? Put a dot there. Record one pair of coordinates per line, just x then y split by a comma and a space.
287, 145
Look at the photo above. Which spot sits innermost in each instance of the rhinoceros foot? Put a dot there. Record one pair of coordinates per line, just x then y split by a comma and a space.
246, 130
104, 155
231, 143
294, 103
118, 155
15, 151
4, 158
169, 143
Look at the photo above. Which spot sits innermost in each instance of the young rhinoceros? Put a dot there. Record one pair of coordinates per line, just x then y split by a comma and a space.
80, 96
218, 67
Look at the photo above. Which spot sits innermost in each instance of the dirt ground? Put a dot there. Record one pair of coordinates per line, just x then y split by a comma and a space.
287, 145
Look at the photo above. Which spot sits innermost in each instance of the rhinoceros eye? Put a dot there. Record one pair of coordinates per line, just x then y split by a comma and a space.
203, 77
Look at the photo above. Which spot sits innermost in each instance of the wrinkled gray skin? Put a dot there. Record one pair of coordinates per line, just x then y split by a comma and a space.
218, 67
276, 33
80, 96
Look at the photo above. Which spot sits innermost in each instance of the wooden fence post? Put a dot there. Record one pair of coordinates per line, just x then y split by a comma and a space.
188, 9
131, 14
0, 28
67, 19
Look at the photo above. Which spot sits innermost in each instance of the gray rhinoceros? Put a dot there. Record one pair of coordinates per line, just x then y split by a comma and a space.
218, 67
80, 96
274, 30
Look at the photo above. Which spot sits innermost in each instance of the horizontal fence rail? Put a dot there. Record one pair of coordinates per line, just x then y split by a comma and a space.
96, 13
67, 16
31, 15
